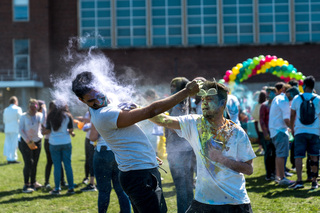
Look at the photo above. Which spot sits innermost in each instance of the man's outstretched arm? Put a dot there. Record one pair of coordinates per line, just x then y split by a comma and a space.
128, 118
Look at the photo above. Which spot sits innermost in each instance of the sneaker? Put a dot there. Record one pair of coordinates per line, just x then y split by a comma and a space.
294, 169
285, 182
64, 184
277, 179
27, 189
262, 152
37, 185
70, 192
296, 185
89, 188
270, 178
314, 185
54, 192
47, 186
85, 180
288, 174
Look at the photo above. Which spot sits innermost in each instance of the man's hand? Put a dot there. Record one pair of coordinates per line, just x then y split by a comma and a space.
193, 88
214, 154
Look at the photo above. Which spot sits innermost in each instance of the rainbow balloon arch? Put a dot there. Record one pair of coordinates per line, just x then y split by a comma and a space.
260, 65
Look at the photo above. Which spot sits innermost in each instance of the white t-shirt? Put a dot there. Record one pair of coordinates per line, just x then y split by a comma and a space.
30, 126
232, 107
61, 136
279, 110
130, 145
217, 184
313, 128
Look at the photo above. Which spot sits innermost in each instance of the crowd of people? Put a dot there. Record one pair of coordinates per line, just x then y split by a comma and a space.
207, 145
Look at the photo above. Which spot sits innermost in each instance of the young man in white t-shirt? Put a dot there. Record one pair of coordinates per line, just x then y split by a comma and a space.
223, 151
306, 135
136, 158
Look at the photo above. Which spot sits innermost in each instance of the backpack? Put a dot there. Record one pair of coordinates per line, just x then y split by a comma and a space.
307, 111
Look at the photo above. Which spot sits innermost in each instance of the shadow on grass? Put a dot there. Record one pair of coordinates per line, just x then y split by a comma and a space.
272, 190
172, 193
4, 164
167, 185
46, 196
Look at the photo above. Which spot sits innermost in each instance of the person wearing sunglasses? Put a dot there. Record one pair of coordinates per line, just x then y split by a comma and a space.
223, 151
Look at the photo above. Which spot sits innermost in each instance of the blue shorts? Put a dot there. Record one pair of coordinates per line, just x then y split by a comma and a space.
306, 142
281, 143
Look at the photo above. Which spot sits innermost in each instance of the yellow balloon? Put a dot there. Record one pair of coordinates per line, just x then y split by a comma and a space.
267, 65
273, 62
232, 77
301, 89
239, 65
263, 69
235, 70
279, 62
285, 62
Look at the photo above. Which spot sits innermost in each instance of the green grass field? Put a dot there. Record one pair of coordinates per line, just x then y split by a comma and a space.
265, 196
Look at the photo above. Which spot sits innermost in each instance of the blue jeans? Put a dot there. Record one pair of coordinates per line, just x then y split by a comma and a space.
182, 170
106, 169
61, 153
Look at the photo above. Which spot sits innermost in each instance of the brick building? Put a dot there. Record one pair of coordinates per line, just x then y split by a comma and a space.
158, 39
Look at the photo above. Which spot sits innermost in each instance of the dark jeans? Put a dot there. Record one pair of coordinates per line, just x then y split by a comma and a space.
197, 207
30, 158
144, 190
269, 157
182, 170
89, 151
49, 163
105, 171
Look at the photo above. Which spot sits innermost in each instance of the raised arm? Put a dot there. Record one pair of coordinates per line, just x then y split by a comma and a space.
128, 118
166, 121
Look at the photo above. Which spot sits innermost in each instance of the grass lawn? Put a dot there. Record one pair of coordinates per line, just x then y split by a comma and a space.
265, 196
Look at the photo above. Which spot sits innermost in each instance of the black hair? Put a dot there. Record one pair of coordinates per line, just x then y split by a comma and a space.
279, 86
57, 114
81, 85
309, 82
262, 97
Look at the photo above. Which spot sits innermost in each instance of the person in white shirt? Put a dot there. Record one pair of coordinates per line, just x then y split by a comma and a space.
233, 108
306, 135
136, 158
11, 117
223, 151
279, 123
30, 144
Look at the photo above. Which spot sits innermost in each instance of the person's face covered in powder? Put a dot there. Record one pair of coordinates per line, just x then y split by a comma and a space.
95, 99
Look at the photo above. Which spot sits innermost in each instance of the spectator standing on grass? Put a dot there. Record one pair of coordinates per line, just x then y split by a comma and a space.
180, 156
279, 124
11, 116
60, 126
256, 117
42, 109
268, 147
30, 145
305, 120
106, 171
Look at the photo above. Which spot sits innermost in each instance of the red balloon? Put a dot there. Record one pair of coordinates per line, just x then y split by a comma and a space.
300, 82
258, 67
228, 72
262, 61
287, 79
268, 58
226, 78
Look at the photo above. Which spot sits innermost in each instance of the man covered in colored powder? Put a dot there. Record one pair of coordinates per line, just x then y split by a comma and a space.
136, 158
223, 150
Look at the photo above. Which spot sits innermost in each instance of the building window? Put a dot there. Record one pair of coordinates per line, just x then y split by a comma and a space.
20, 10
166, 23
202, 22
95, 23
131, 23
21, 59
238, 22
307, 20
274, 21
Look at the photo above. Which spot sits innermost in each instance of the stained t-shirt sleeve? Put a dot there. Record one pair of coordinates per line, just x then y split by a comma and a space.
244, 148
106, 117
188, 128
